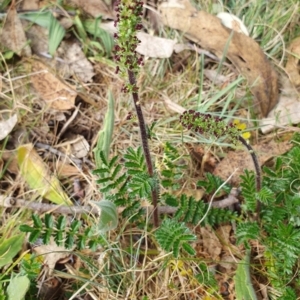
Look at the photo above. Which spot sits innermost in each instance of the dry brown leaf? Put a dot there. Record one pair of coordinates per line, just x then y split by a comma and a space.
233, 22
211, 243
13, 36
153, 46
293, 63
6, 126
75, 62
11, 162
241, 159
224, 232
286, 112
65, 170
30, 5
38, 37
207, 31
75, 145
95, 8
52, 90
70, 57
52, 254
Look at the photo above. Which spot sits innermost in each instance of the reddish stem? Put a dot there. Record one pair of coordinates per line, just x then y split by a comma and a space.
145, 144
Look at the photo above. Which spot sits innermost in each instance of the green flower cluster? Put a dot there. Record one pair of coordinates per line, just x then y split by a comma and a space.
209, 125
128, 20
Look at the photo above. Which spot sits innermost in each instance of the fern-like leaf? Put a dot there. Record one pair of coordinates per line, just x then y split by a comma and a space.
249, 191
141, 185
247, 231
135, 161
192, 211
171, 235
212, 183
266, 196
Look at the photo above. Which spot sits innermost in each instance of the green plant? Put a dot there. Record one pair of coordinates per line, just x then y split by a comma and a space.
129, 22
274, 201
279, 219
269, 211
73, 234
171, 171
66, 235
172, 235
9, 248
192, 211
47, 20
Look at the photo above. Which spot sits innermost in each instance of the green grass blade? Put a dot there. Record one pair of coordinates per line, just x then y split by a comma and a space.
105, 135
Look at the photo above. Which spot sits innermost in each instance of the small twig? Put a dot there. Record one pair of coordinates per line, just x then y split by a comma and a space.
10, 202
230, 200
71, 119
44, 207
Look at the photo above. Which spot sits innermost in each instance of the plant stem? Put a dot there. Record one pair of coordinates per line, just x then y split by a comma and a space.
257, 169
145, 144
249, 283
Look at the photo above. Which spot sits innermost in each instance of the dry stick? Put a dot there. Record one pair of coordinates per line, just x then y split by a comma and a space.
144, 138
71, 119
10, 202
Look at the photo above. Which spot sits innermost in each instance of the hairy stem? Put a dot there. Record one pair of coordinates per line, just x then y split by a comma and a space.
145, 144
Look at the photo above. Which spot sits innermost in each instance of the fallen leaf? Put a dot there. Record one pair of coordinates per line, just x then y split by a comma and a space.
247, 56
7, 126
80, 147
11, 163
66, 170
13, 36
153, 46
70, 59
211, 243
30, 5
38, 37
95, 8
52, 254
228, 262
38, 176
286, 112
241, 159
74, 62
232, 22
293, 63
51, 89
